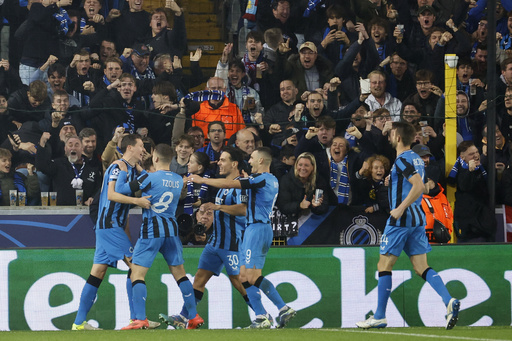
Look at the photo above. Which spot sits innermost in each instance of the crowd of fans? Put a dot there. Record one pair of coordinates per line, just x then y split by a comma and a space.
318, 81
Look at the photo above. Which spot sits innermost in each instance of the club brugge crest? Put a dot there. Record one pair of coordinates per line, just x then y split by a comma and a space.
361, 232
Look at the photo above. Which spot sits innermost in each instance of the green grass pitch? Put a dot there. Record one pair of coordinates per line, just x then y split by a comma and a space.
391, 334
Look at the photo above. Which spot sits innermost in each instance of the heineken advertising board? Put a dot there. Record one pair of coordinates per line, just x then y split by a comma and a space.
328, 286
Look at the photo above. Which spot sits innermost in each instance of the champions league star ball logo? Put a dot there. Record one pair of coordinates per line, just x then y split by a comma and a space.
361, 232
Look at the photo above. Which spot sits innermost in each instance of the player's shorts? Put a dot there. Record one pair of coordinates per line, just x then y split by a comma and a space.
255, 245
411, 240
112, 245
213, 259
147, 249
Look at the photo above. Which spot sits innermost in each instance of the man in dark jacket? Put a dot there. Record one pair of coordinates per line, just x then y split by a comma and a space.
70, 172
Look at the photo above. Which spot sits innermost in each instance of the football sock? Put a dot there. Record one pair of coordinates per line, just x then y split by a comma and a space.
246, 299
198, 295
187, 292
435, 281
270, 290
255, 298
129, 291
140, 293
87, 298
383, 293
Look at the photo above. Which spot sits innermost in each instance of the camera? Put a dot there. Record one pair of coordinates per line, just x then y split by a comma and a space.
199, 229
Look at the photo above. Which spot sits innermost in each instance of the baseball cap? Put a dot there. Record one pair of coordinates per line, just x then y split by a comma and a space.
290, 132
426, 8
421, 150
308, 45
141, 49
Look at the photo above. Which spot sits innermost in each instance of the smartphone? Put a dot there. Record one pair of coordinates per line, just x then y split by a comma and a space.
333, 27
147, 146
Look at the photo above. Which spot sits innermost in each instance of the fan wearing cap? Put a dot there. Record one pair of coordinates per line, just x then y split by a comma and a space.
136, 62
434, 171
307, 70
82, 79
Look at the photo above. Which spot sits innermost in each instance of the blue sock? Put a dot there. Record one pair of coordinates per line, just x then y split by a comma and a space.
87, 298
383, 293
187, 292
129, 292
270, 290
435, 281
255, 298
140, 292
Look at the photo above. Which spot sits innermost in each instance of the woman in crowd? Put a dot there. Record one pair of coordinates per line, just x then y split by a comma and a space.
297, 189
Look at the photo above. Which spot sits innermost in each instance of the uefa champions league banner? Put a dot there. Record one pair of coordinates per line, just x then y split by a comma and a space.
329, 287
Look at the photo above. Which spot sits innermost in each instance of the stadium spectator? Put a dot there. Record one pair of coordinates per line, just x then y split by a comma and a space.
13, 180
379, 98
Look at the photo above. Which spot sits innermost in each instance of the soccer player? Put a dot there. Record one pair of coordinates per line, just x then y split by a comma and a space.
112, 241
158, 233
405, 228
223, 248
263, 188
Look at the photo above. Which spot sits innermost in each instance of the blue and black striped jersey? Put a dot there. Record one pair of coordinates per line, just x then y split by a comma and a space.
227, 228
164, 187
262, 196
110, 213
406, 165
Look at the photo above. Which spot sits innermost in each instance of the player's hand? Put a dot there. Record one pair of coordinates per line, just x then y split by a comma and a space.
397, 213
143, 202
121, 164
195, 179
211, 206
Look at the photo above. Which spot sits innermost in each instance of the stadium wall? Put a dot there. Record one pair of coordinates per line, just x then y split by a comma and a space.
328, 286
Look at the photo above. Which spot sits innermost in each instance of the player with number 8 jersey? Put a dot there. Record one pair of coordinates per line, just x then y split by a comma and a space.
158, 233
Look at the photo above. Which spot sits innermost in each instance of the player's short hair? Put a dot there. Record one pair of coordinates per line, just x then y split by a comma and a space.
265, 153
424, 75
5, 153
325, 121
236, 155
87, 132
59, 68
129, 140
406, 131
165, 88
220, 123
164, 152
256, 35
273, 37
38, 90
187, 139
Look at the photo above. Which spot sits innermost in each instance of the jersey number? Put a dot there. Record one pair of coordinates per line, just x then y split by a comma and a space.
163, 203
